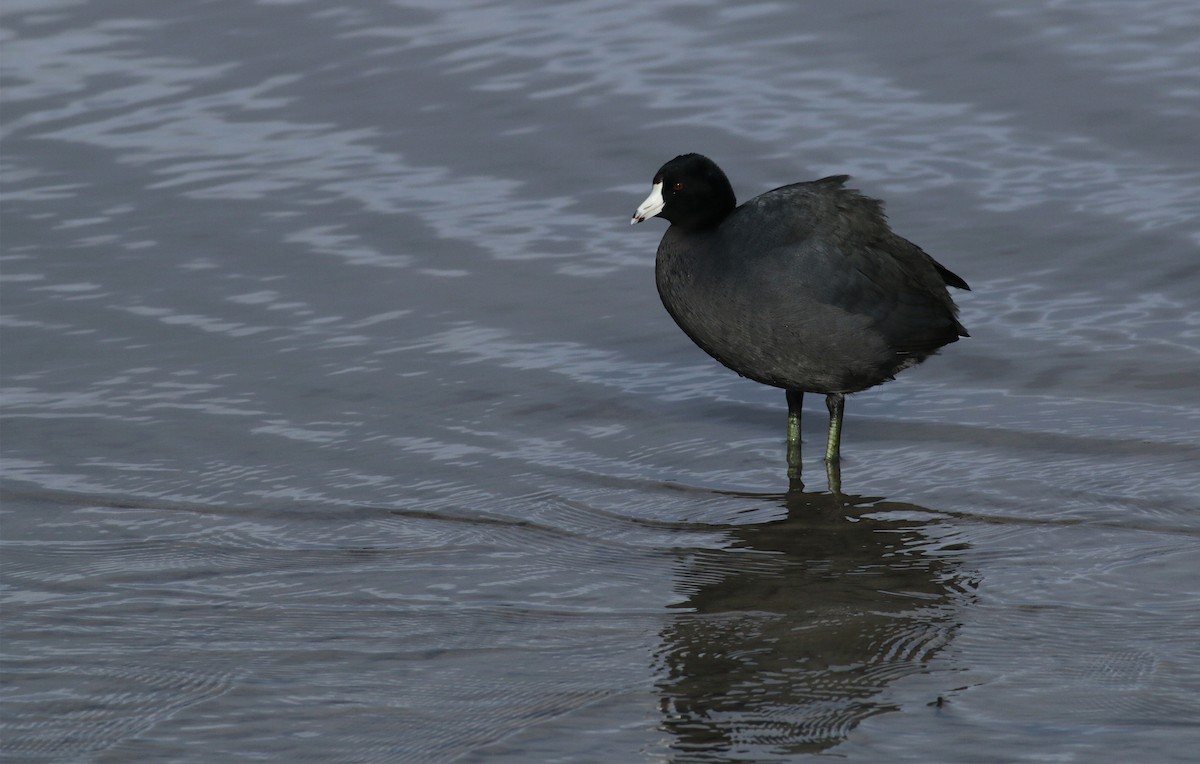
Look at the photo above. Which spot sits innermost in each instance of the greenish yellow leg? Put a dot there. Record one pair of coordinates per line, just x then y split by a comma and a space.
836, 403
833, 474
795, 399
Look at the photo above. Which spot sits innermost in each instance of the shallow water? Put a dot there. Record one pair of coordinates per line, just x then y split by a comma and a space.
341, 420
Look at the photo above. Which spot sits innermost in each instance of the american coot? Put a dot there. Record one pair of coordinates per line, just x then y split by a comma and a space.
804, 287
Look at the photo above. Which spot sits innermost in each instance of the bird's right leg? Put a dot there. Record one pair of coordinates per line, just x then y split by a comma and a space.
795, 399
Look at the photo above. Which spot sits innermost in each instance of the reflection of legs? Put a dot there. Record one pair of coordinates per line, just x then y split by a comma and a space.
795, 399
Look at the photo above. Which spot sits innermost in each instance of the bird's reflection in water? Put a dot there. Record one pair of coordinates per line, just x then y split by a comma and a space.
795, 630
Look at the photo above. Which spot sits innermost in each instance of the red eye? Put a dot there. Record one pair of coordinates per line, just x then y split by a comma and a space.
678, 186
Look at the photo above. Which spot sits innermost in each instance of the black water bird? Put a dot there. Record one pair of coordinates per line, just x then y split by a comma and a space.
805, 287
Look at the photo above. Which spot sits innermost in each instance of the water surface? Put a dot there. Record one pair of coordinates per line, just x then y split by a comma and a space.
341, 420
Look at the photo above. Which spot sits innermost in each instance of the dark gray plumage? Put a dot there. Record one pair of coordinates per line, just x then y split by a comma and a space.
804, 287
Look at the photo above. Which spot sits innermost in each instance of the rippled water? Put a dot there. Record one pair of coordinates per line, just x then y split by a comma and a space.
341, 420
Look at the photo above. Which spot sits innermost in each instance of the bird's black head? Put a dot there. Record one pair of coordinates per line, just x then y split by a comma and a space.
691, 192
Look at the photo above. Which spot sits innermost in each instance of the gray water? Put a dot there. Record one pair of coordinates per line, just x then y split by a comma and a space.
341, 420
